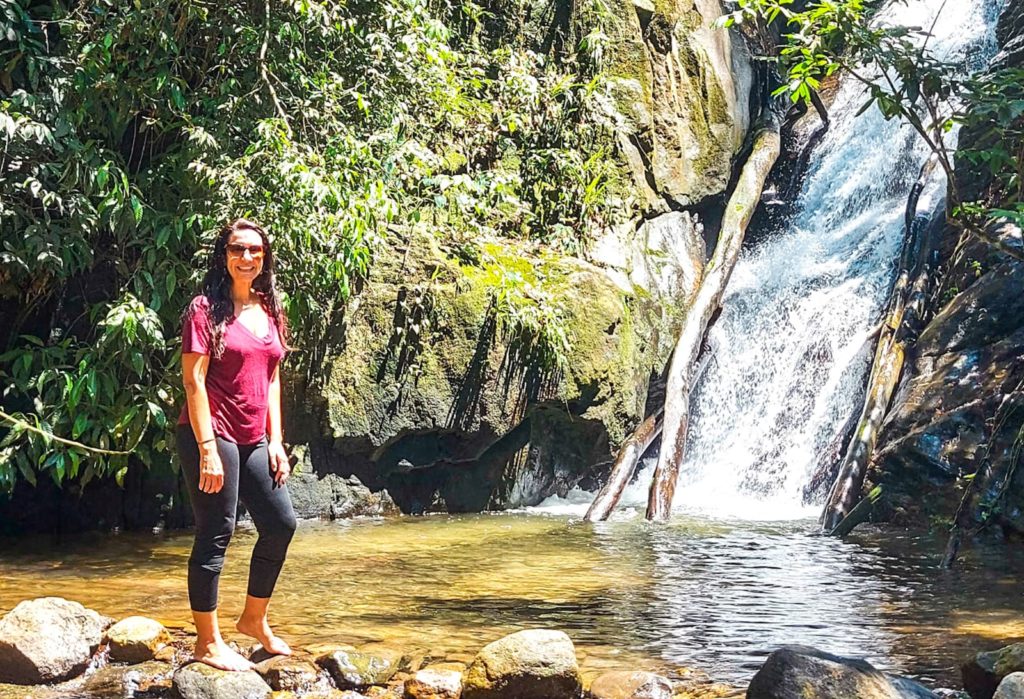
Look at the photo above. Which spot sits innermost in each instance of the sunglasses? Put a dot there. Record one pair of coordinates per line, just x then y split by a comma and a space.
238, 250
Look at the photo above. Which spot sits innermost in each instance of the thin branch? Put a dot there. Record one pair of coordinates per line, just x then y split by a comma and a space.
69, 442
265, 73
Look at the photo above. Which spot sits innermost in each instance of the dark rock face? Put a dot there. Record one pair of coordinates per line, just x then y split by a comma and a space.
797, 672
48, 640
962, 398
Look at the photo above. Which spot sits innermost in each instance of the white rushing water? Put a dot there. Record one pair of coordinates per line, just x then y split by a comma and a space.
791, 349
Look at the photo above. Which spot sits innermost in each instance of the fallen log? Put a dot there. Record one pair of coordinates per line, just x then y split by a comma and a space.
740, 208
625, 463
886, 368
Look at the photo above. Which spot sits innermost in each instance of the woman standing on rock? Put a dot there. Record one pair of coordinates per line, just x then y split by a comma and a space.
229, 434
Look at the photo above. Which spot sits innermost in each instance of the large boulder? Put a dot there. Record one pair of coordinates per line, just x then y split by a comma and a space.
631, 685
136, 639
531, 664
430, 399
200, 681
798, 672
48, 640
983, 673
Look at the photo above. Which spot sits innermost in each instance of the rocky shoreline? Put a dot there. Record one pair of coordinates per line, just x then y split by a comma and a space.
54, 648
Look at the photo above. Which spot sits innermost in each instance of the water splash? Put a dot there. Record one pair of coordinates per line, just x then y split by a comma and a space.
791, 349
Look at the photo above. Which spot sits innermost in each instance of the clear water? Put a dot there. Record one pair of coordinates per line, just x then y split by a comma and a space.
717, 596
791, 349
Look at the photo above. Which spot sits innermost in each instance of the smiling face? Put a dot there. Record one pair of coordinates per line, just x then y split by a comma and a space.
244, 255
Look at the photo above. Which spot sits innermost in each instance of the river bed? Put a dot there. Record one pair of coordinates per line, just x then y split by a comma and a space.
715, 595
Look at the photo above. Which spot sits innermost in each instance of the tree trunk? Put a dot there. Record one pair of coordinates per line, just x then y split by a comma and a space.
900, 326
740, 208
625, 463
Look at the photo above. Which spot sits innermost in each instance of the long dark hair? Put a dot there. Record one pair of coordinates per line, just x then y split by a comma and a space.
217, 287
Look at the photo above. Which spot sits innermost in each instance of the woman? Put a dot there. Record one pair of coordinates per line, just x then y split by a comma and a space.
229, 434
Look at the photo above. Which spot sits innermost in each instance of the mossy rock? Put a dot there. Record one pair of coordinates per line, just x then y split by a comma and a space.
426, 396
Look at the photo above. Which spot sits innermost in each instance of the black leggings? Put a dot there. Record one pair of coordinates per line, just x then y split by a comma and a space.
247, 476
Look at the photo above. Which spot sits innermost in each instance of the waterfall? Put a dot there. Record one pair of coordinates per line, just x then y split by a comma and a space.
791, 349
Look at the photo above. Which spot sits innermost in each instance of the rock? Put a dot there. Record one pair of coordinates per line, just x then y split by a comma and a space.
1012, 687
983, 673
442, 442
121, 682
136, 639
331, 496
47, 640
200, 681
631, 685
532, 664
352, 669
434, 684
284, 672
679, 97
799, 672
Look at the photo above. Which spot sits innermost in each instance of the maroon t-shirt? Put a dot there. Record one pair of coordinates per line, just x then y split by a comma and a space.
238, 382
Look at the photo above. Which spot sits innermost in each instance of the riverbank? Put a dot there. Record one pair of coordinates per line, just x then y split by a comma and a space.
52, 648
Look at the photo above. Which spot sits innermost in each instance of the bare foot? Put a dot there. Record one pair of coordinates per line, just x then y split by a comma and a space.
260, 630
219, 655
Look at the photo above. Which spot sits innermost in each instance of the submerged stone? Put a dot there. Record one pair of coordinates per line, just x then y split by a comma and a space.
48, 640
631, 685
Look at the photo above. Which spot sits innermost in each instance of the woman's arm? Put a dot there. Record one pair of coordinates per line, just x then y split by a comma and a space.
193, 369
278, 457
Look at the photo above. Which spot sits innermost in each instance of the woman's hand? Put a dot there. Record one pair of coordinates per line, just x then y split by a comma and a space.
279, 462
211, 471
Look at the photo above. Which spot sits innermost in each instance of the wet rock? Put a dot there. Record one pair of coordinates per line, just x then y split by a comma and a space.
1012, 687
331, 496
125, 682
631, 685
799, 672
532, 664
352, 669
47, 640
283, 672
983, 673
433, 683
136, 639
200, 681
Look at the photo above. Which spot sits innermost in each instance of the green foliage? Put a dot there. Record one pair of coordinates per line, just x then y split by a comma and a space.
906, 81
130, 131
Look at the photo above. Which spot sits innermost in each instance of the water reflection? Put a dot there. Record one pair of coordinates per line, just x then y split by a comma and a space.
697, 593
